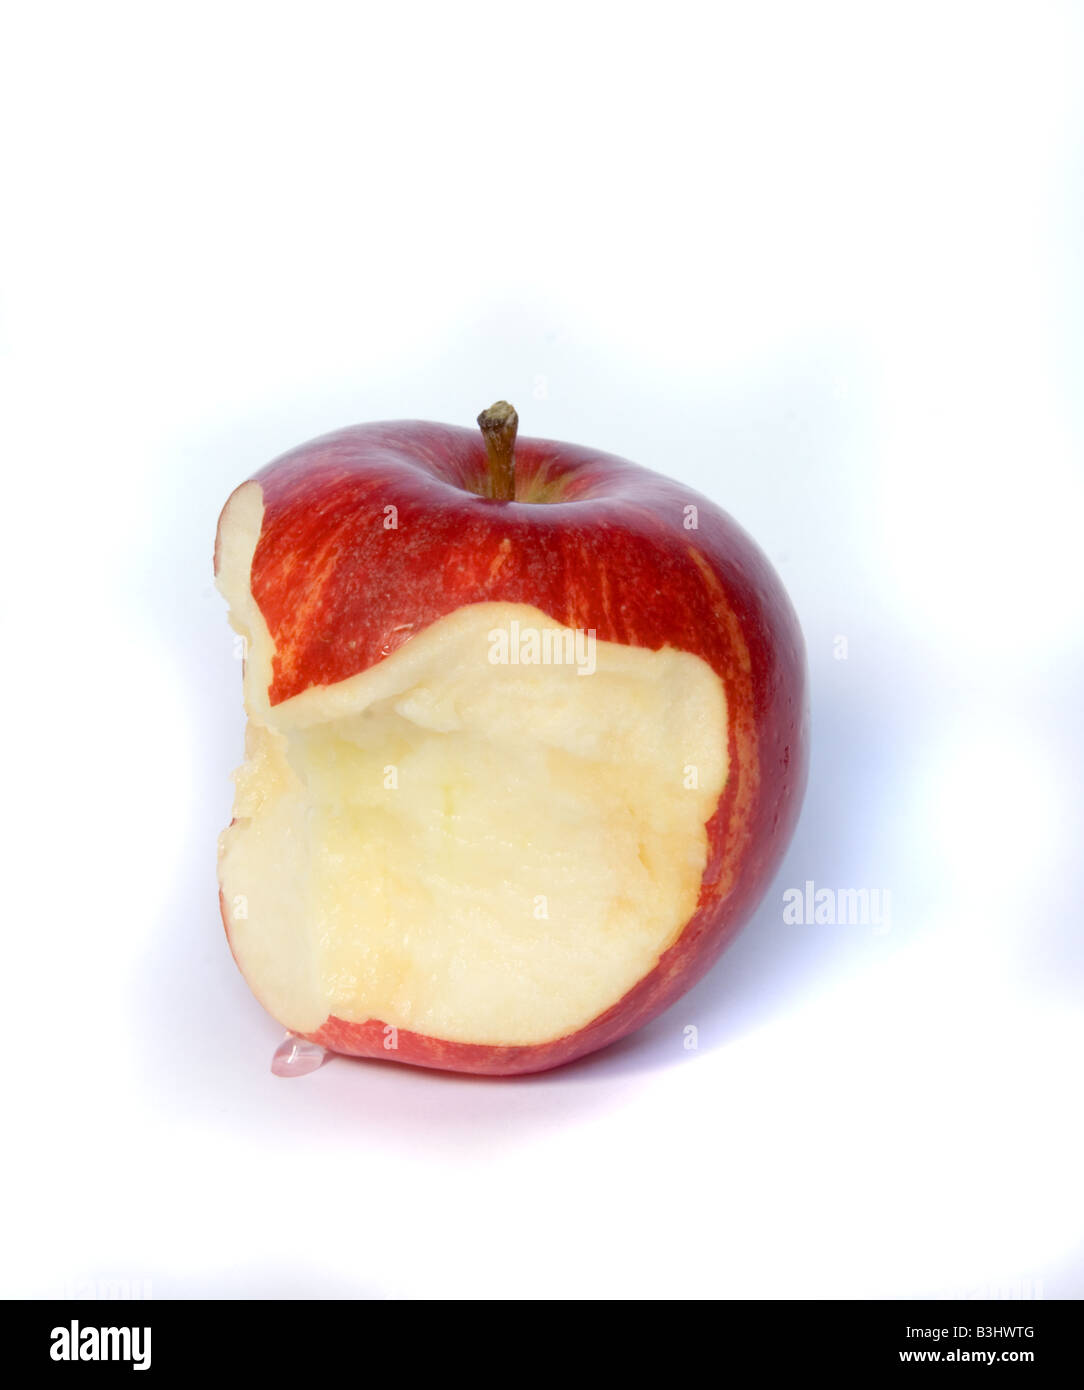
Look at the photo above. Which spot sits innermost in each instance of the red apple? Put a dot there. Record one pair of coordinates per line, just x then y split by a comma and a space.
526, 742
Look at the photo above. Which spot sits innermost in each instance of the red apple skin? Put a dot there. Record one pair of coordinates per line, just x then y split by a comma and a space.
340, 590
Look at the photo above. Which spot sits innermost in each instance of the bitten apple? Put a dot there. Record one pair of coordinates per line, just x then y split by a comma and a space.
526, 742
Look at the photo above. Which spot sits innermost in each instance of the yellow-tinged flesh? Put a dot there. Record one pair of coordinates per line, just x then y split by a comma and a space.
480, 852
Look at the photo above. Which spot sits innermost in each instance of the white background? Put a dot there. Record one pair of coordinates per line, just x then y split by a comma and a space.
819, 261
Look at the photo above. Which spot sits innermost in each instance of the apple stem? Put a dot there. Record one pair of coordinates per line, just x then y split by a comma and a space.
499, 425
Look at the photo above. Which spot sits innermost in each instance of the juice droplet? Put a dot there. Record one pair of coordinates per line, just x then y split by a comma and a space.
296, 1057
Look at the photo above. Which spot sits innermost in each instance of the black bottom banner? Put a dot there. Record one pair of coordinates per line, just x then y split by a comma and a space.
317, 1339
